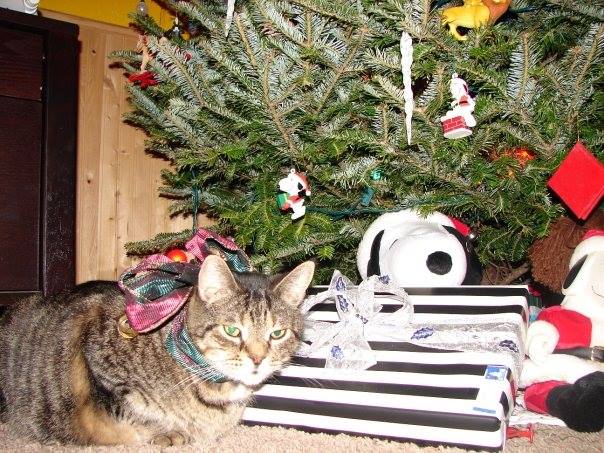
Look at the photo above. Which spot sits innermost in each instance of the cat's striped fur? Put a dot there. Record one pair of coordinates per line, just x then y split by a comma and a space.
67, 375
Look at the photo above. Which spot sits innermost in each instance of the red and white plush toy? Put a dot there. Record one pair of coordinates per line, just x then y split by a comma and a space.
564, 374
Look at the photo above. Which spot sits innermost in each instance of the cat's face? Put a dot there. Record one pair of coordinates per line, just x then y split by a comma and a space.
247, 325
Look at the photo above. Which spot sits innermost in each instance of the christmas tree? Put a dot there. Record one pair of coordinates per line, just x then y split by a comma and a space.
317, 85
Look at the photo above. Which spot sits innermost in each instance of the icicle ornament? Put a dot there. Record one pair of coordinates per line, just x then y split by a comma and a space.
406, 61
229, 16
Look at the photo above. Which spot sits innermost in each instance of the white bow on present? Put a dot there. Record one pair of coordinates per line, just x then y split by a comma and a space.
360, 318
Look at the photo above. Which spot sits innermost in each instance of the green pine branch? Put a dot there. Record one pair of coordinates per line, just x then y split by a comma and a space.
316, 85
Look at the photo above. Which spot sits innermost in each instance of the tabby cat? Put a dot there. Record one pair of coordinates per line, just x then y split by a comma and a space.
66, 375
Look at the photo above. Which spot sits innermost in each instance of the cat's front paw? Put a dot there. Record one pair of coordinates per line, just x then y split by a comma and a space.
169, 439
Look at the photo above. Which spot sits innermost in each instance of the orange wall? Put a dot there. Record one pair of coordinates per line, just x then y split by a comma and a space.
108, 11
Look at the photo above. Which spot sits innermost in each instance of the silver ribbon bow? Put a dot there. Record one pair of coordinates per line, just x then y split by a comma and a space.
360, 318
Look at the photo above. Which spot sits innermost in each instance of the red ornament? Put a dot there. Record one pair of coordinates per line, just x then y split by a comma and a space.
512, 432
178, 255
145, 79
579, 181
523, 155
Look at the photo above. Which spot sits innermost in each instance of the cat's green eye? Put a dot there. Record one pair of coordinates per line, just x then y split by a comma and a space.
231, 331
279, 333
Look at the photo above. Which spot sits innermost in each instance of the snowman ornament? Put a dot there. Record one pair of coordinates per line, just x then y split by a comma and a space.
293, 189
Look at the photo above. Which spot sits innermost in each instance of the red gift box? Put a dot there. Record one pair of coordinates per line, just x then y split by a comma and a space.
579, 181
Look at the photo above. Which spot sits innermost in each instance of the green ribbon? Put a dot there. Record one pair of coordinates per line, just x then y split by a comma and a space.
180, 345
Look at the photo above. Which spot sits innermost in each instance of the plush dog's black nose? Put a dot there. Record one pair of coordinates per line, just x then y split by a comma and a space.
439, 263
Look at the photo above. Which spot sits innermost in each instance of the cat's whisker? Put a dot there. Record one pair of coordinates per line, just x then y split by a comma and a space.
186, 381
313, 382
198, 374
190, 384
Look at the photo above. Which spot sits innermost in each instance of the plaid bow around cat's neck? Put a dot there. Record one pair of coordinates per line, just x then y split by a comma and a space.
157, 288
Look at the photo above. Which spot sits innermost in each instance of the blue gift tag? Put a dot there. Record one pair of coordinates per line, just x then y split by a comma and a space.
496, 372
490, 389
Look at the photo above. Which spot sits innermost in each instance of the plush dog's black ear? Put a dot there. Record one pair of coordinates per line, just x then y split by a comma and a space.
473, 267
580, 405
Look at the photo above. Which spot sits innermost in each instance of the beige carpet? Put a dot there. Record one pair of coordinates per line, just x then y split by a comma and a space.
548, 439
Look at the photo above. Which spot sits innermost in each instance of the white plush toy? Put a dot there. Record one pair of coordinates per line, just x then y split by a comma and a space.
564, 373
418, 251
295, 185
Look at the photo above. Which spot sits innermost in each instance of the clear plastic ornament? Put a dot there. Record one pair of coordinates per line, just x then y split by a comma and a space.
141, 8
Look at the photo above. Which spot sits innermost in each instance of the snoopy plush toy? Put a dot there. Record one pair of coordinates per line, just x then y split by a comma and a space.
564, 371
416, 250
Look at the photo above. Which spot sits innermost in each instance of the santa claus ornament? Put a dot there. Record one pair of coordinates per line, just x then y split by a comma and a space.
293, 189
564, 374
458, 121
419, 251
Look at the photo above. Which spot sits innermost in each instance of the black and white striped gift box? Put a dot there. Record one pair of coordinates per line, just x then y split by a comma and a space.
414, 392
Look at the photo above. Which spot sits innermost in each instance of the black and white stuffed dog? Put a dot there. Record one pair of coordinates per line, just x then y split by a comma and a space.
419, 251
564, 371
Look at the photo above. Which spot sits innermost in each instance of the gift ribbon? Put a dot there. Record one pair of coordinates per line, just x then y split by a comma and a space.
157, 288
180, 345
344, 343
359, 314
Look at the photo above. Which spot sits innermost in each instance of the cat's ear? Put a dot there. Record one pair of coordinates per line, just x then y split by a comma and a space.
215, 279
292, 288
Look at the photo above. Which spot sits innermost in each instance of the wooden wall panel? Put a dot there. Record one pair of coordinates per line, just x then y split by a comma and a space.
117, 181
89, 145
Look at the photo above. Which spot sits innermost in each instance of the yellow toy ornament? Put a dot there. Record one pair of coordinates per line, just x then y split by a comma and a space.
473, 14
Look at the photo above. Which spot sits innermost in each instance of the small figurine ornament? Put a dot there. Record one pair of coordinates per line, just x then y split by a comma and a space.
293, 187
458, 121
144, 77
473, 14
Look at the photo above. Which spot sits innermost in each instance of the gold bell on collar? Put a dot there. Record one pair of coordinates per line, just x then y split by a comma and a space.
124, 329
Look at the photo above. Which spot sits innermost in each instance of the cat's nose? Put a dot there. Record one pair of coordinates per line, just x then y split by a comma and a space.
257, 359
256, 351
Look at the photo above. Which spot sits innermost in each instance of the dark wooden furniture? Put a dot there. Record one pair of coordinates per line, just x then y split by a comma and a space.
38, 114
